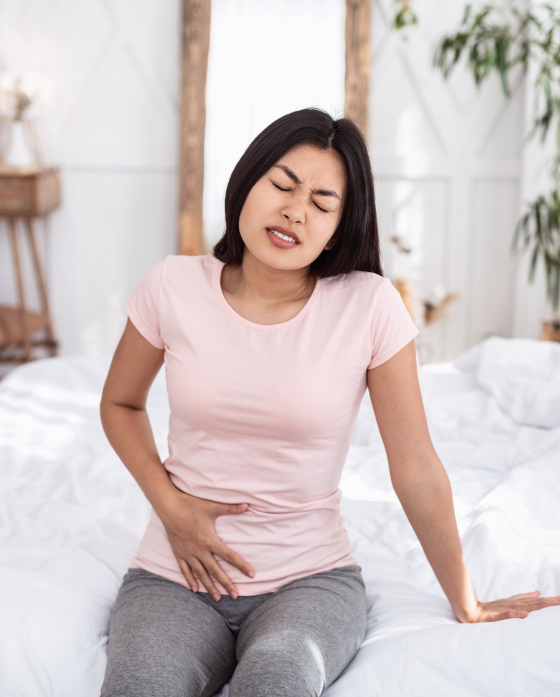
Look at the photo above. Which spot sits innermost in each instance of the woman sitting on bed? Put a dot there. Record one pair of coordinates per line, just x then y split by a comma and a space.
245, 571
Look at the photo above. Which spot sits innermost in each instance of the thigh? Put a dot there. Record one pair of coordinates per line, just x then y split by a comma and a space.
165, 641
299, 640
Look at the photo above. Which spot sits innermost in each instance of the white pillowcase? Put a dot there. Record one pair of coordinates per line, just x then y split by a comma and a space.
523, 375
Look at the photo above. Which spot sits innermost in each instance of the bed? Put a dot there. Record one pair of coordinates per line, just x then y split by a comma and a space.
72, 516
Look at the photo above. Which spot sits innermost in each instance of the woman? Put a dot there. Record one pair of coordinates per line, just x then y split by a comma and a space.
245, 571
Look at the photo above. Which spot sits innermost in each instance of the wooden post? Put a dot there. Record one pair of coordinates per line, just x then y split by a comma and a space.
24, 327
356, 82
196, 43
40, 276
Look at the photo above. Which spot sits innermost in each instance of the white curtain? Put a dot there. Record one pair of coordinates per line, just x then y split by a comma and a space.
266, 59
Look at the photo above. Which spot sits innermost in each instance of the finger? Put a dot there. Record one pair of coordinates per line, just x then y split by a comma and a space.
188, 574
540, 603
228, 555
216, 571
230, 508
507, 615
204, 577
520, 596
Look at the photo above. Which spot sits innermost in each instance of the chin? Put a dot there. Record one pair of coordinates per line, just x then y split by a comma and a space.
276, 258
283, 261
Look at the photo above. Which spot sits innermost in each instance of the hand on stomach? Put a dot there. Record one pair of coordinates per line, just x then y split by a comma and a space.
194, 542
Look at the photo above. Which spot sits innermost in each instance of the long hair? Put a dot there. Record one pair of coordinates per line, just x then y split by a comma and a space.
356, 239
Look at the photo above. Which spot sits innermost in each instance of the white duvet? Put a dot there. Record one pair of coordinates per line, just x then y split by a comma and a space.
71, 517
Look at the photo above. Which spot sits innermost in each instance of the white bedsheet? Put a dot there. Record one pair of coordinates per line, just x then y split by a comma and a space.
71, 517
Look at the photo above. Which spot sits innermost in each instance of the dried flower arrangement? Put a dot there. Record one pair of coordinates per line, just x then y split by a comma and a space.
435, 309
22, 101
433, 304
23, 98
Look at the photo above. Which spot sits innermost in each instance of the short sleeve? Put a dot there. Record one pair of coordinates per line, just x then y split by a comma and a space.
143, 306
392, 327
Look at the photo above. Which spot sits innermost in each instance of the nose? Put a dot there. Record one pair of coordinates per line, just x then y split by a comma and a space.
295, 211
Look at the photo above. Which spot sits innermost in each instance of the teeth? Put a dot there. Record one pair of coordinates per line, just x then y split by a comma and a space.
283, 237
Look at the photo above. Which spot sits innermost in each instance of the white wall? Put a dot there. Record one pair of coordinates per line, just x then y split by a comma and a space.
113, 132
447, 159
448, 162
531, 304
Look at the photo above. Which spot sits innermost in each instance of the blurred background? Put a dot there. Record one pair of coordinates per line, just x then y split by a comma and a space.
452, 166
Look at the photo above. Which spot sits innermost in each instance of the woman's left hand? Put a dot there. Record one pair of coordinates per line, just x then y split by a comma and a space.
518, 606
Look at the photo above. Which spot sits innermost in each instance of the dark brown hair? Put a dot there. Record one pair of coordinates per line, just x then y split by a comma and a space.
356, 238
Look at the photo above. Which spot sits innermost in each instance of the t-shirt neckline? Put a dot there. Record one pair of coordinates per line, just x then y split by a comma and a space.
219, 265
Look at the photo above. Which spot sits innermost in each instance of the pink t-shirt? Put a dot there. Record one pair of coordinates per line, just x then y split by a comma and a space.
264, 414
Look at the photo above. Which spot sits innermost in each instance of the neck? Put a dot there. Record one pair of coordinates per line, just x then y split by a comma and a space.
262, 282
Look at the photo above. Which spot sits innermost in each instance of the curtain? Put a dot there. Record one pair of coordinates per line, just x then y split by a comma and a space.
266, 60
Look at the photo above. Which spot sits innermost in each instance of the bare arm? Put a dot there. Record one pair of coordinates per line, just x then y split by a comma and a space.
422, 486
125, 420
188, 520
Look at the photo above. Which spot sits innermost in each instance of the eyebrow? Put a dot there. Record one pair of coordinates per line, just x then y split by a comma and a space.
293, 176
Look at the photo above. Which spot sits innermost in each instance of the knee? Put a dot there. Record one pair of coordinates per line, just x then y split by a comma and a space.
148, 681
143, 686
285, 664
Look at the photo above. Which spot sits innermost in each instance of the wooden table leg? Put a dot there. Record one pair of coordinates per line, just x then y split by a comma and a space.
41, 283
21, 292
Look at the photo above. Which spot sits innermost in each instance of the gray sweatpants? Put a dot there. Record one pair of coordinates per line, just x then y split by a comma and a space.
166, 641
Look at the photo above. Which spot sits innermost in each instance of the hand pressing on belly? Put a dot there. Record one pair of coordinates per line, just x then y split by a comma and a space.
193, 539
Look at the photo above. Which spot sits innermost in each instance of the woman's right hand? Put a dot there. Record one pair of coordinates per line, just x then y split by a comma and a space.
192, 536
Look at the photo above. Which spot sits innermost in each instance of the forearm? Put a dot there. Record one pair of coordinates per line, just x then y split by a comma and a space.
130, 434
425, 495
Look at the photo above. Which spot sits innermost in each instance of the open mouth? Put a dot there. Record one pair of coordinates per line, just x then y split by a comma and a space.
282, 238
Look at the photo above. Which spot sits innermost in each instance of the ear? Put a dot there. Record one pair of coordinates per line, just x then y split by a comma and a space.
330, 244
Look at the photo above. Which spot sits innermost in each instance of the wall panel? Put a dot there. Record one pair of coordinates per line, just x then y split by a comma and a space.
113, 131
447, 157
491, 281
457, 151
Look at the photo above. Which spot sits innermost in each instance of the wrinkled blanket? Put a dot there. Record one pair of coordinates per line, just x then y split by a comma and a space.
71, 517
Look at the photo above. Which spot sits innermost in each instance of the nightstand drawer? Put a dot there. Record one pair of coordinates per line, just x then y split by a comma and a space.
24, 193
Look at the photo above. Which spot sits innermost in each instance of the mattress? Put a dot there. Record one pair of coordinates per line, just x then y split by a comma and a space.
71, 517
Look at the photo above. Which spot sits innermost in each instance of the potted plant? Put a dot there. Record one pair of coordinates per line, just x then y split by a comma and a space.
496, 40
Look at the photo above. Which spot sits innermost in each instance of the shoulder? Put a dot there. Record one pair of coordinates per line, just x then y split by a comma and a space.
181, 263
358, 284
365, 293
180, 269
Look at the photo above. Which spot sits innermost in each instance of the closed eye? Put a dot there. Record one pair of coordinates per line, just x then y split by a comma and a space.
279, 187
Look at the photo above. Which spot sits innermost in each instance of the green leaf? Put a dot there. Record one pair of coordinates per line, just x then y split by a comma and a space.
534, 260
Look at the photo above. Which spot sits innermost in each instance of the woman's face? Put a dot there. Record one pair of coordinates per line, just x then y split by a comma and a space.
301, 198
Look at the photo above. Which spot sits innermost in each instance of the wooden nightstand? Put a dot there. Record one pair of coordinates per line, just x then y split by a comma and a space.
25, 195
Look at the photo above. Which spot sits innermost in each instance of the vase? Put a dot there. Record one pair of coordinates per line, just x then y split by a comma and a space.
20, 149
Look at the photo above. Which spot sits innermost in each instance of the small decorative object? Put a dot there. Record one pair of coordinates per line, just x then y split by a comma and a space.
551, 330
407, 294
404, 273
23, 98
431, 308
436, 303
397, 240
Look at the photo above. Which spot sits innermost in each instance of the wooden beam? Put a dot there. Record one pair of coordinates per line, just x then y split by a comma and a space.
356, 82
196, 43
